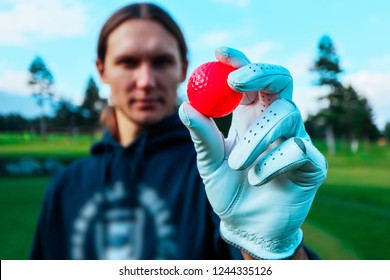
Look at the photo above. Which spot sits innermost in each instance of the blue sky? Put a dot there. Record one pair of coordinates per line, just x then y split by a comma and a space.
64, 34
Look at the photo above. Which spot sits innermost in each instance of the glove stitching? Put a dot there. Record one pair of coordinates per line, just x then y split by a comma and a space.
270, 245
236, 197
237, 85
258, 257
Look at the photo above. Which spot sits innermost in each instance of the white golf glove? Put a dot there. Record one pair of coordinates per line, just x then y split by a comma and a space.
262, 179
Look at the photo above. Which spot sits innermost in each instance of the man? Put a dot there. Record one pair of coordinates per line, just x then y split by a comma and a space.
140, 196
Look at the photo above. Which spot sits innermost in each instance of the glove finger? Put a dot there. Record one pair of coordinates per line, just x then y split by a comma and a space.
267, 82
208, 140
282, 119
268, 78
236, 59
287, 156
231, 57
246, 114
294, 154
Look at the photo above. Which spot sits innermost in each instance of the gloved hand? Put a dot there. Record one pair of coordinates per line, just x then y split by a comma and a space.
262, 179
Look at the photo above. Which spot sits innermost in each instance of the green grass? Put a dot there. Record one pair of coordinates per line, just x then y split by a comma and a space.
357, 217
21, 197
350, 216
20, 203
65, 147
349, 219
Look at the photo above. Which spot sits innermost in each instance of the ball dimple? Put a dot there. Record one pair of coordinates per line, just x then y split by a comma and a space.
209, 92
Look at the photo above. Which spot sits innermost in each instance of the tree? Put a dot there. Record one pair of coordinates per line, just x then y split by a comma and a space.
41, 81
358, 120
92, 104
65, 114
347, 116
315, 126
14, 122
327, 64
328, 68
386, 131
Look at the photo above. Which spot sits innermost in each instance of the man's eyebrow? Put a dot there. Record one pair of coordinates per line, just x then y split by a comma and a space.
164, 55
125, 57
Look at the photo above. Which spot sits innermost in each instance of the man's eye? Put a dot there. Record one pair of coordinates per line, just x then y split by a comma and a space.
128, 63
162, 62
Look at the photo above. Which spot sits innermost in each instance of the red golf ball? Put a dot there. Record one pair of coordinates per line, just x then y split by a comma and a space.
209, 92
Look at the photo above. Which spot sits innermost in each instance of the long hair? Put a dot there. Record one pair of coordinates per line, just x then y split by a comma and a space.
147, 11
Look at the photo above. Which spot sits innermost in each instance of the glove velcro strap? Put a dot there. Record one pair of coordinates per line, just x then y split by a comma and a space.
260, 248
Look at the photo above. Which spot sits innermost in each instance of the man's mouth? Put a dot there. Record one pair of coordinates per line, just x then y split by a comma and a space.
146, 103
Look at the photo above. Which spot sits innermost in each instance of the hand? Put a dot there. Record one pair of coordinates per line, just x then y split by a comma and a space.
262, 179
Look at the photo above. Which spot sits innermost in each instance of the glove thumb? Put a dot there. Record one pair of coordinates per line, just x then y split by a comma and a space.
208, 140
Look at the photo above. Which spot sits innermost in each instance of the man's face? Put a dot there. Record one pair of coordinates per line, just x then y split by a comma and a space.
143, 68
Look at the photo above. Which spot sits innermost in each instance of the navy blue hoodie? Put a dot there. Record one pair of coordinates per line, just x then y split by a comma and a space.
144, 201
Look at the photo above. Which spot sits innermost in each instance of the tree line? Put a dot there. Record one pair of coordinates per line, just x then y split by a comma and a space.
347, 116
67, 117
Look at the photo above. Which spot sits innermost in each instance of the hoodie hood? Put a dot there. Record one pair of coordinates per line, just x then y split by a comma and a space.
129, 161
169, 132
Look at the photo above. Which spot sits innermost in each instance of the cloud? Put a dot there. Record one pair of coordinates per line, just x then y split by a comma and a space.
307, 99
299, 65
42, 19
215, 38
15, 82
380, 62
375, 86
306, 95
257, 52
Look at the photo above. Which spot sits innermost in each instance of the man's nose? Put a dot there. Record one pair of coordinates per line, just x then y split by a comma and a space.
146, 76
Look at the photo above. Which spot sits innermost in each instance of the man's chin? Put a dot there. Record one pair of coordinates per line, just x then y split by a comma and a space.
149, 119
